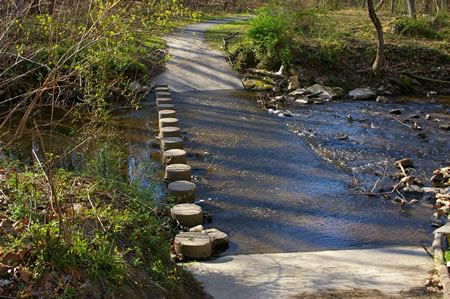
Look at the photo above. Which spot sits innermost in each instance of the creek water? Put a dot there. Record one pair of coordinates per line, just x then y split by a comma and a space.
278, 184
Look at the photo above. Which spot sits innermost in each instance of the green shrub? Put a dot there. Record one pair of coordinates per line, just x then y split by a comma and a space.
270, 34
416, 27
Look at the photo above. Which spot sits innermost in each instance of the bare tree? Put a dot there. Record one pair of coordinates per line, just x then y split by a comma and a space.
411, 9
378, 64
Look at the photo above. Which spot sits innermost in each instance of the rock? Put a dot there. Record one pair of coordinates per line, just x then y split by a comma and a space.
165, 132
422, 135
178, 172
193, 244
163, 95
298, 92
427, 117
257, 85
382, 99
165, 107
182, 191
438, 222
362, 94
163, 101
341, 137
293, 83
167, 114
304, 101
442, 230
174, 156
397, 28
168, 122
155, 154
444, 126
326, 92
395, 111
413, 189
217, 237
432, 190
405, 163
197, 228
187, 214
171, 143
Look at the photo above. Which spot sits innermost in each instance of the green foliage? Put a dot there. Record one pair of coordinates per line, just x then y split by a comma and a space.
270, 34
416, 27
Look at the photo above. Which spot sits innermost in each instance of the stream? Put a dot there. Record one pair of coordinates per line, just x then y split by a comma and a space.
283, 184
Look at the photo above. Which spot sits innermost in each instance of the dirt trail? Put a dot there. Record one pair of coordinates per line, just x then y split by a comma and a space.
276, 275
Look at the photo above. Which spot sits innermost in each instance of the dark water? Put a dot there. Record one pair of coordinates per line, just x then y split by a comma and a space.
266, 182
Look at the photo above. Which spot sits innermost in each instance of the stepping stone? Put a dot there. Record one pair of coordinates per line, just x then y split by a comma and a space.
169, 132
162, 85
178, 172
163, 101
165, 107
218, 238
162, 94
187, 214
182, 191
155, 154
193, 244
170, 143
161, 89
167, 114
168, 122
174, 156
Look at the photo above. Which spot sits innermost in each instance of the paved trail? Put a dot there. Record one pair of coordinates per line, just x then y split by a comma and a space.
279, 275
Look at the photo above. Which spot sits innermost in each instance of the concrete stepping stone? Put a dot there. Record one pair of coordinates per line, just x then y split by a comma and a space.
155, 154
162, 89
162, 85
182, 191
163, 94
156, 143
178, 172
169, 132
167, 114
165, 107
187, 214
170, 143
193, 244
218, 238
163, 101
174, 156
168, 122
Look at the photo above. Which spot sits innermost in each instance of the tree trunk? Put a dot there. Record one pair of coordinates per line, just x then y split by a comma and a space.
363, 3
437, 4
425, 6
411, 9
380, 5
378, 64
392, 6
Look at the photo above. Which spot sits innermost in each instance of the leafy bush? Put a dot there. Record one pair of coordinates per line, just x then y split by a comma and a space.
270, 34
416, 27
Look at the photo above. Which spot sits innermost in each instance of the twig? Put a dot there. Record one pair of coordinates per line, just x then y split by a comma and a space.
95, 211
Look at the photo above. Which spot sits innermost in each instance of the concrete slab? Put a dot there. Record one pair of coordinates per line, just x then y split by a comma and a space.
193, 66
280, 275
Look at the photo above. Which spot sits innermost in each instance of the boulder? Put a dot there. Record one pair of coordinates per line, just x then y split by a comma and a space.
326, 92
193, 244
187, 214
255, 84
218, 238
298, 92
293, 83
362, 94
